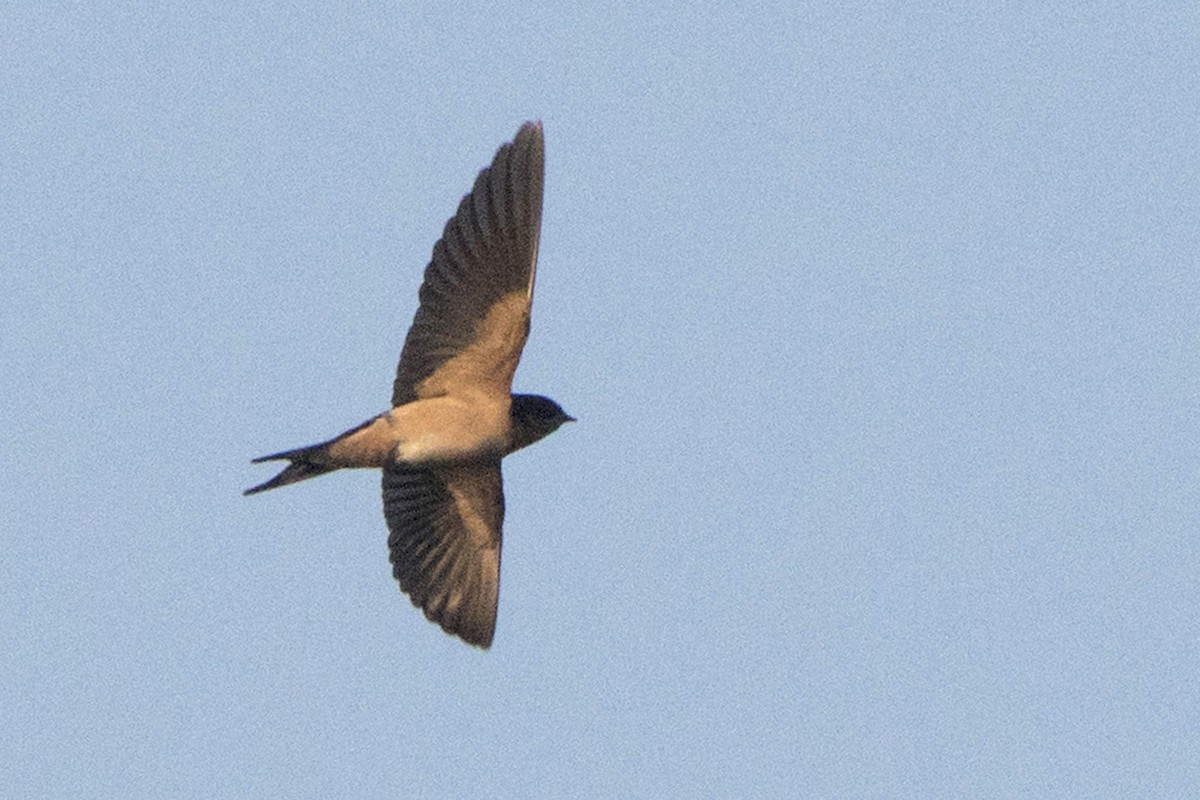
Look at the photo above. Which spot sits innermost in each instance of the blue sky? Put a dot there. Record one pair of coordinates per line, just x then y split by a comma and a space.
882, 327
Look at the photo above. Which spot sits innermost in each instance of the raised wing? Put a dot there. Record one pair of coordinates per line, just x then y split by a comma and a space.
474, 315
445, 543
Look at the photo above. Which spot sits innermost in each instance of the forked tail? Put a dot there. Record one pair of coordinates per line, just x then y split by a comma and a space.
307, 462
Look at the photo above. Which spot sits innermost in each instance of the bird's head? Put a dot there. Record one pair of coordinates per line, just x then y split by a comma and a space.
534, 417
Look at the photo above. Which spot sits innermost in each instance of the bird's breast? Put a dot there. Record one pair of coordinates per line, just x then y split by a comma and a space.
447, 430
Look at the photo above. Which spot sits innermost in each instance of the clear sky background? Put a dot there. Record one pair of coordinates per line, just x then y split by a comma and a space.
882, 327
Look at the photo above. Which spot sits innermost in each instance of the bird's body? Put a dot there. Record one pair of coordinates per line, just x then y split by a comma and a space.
453, 416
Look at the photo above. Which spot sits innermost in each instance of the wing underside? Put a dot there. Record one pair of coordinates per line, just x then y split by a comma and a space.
475, 298
444, 542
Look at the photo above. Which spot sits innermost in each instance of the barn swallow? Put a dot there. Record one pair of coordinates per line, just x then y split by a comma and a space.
453, 415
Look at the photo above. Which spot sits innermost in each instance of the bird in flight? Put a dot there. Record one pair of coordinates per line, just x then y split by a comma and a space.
453, 415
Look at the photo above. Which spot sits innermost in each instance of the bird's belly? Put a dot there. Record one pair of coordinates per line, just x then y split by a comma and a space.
449, 430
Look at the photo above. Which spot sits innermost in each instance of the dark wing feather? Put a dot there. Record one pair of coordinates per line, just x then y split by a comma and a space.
445, 543
475, 298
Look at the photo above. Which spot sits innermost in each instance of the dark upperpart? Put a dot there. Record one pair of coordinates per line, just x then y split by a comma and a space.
534, 417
